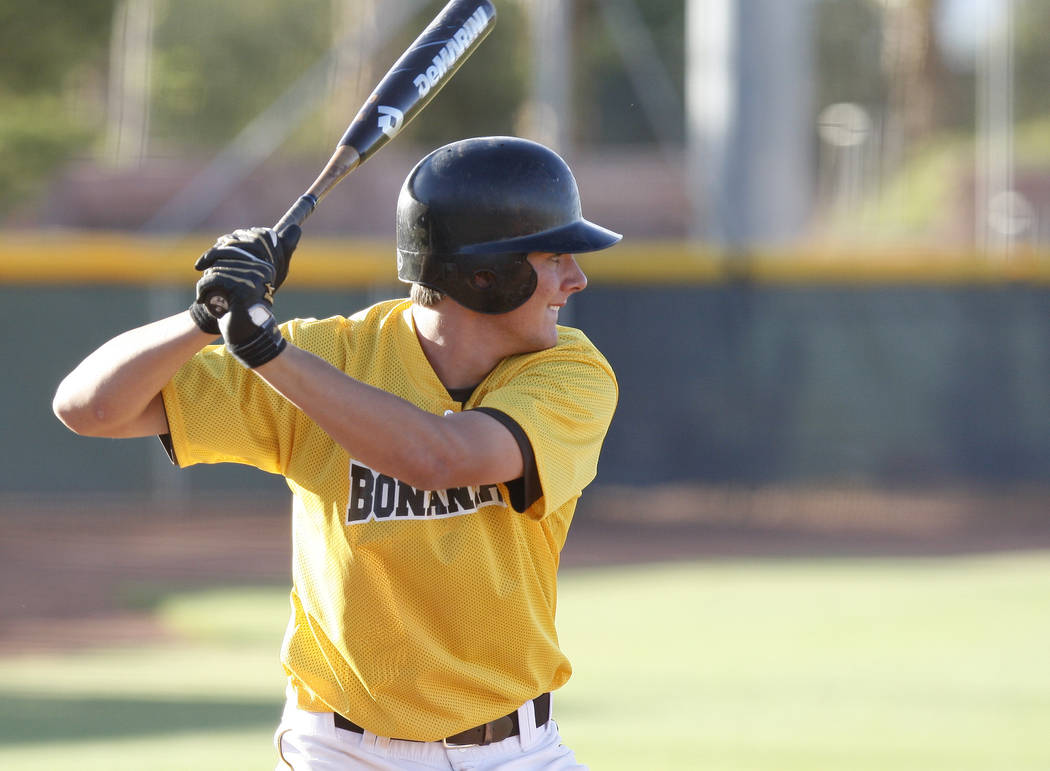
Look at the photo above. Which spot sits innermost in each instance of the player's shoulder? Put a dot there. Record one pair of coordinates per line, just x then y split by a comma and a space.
571, 338
572, 372
382, 313
573, 357
302, 330
574, 344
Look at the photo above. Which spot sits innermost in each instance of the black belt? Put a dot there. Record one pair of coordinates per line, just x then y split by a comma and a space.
493, 731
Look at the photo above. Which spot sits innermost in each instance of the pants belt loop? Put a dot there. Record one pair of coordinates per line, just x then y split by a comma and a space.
368, 741
528, 733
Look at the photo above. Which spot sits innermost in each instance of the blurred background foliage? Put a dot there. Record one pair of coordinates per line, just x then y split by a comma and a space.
215, 66
609, 104
204, 52
53, 59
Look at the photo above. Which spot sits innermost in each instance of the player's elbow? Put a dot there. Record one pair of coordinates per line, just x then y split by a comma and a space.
73, 416
79, 414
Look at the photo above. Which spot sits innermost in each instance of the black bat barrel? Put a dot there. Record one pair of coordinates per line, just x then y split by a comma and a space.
419, 74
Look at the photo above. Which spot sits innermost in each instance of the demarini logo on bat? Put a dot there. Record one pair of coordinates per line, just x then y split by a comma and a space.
452, 50
390, 119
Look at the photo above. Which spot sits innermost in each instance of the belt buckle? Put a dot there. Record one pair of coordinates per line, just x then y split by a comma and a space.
486, 738
445, 743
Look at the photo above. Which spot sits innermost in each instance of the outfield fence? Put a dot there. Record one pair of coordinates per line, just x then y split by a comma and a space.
794, 368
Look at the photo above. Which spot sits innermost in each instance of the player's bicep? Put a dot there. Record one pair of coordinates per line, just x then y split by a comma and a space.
488, 451
150, 422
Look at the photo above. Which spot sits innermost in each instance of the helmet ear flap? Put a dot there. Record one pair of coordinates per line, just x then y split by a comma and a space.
483, 280
491, 283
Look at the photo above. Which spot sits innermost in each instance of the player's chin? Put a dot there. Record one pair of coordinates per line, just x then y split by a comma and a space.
549, 340
540, 341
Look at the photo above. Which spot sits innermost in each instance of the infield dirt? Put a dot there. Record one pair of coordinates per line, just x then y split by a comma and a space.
83, 572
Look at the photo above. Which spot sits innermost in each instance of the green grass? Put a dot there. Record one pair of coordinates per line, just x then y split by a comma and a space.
818, 664
932, 664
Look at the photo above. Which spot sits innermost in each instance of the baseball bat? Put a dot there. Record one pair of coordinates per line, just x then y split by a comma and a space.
416, 77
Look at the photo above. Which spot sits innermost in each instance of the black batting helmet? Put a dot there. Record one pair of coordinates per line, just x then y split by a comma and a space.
470, 212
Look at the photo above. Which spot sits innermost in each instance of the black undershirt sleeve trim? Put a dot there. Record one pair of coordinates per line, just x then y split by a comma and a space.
169, 447
526, 489
165, 439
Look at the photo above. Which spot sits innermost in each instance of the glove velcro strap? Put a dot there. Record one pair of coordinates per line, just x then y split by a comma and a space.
261, 348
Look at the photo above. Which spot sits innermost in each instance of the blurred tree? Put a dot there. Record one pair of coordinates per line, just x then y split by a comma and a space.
849, 44
43, 43
915, 75
490, 87
1031, 62
217, 65
876, 51
50, 54
608, 109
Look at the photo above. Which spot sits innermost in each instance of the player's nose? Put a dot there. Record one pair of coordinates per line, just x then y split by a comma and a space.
574, 280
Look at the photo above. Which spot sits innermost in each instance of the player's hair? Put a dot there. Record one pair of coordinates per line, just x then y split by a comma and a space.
425, 295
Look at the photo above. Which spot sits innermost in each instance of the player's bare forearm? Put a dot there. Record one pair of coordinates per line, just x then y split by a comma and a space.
115, 391
392, 435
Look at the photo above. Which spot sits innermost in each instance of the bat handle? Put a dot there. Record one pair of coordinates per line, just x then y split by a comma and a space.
297, 215
216, 300
217, 303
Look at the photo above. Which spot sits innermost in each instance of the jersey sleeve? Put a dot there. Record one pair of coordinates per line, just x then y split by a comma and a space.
564, 402
221, 412
526, 489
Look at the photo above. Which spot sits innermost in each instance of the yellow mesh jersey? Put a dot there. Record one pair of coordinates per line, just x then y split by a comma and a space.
416, 614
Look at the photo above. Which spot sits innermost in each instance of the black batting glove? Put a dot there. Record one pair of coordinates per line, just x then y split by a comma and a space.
246, 266
251, 333
203, 319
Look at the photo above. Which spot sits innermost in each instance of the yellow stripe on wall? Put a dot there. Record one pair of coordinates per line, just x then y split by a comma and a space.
67, 258
56, 258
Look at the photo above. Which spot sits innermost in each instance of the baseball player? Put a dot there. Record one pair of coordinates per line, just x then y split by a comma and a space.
435, 448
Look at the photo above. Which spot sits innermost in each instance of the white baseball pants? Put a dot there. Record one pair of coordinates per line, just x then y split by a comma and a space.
310, 741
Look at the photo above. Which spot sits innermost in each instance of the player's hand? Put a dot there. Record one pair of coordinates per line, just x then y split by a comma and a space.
247, 265
251, 333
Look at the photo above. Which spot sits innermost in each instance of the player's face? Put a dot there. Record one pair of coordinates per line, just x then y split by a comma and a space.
534, 324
